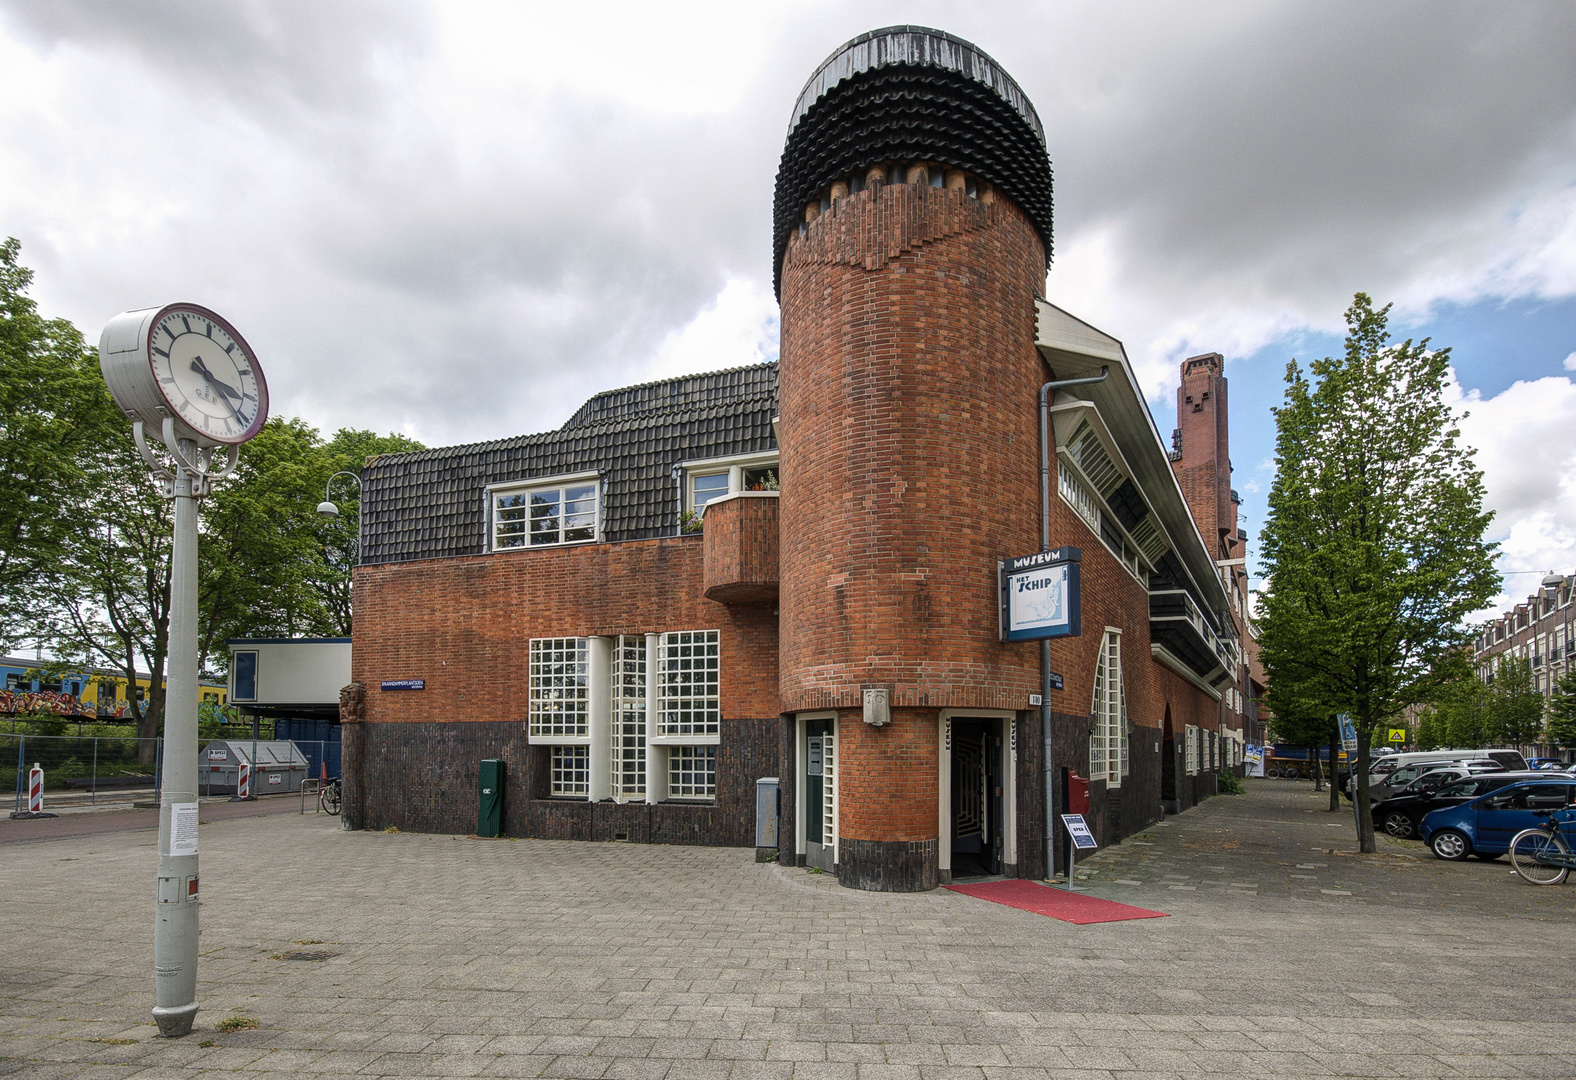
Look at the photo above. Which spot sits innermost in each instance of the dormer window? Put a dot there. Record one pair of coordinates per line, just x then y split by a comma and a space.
714, 478
541, 513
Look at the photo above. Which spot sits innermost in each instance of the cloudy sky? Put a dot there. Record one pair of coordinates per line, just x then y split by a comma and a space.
457, 221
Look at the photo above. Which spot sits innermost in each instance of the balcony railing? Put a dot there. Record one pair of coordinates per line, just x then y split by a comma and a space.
1177, 625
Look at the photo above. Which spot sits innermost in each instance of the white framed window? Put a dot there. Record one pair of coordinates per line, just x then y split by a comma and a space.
560, 691
542, 513
714, 477
1190, 750
1108, 742
629, 717
689, 675
692, 772
571, 771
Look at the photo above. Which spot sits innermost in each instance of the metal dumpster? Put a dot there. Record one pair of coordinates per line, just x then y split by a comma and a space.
280, 766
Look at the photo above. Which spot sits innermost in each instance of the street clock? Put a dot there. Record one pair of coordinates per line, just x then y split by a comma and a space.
186, 364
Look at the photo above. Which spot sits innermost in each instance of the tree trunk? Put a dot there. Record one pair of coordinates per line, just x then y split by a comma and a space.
1335, 787
1365, 817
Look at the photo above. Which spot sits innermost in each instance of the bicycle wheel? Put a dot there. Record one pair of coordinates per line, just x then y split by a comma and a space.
1538, 857
328, 799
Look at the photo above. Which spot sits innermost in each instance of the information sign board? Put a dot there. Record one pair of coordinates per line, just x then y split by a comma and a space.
1398, 734
1348, 733
1078, 829
1040, 595
404, 684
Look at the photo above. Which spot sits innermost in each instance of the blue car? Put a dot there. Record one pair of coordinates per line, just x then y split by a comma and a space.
1484, 826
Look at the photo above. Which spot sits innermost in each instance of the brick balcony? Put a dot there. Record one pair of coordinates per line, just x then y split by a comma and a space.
741, 548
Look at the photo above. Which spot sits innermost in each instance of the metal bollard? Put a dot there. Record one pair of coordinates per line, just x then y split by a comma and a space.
35, 790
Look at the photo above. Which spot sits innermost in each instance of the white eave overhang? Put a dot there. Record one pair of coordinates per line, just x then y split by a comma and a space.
1074, 349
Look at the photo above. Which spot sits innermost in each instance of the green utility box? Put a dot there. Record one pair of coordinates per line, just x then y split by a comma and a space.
489, 793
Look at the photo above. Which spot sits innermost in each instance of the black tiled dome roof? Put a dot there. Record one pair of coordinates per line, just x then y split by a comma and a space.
908, 93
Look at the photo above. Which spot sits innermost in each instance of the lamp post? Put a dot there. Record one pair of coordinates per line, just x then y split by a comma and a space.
185, 372
329, 510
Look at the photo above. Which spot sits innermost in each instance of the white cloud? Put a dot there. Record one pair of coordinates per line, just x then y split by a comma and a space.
1524, 447
459, 221
1570, 362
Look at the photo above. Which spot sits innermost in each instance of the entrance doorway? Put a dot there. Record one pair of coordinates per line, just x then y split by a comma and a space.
819, 764
978, 833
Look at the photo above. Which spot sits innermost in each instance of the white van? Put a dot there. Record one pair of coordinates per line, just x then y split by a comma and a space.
1381, 772
1509, 759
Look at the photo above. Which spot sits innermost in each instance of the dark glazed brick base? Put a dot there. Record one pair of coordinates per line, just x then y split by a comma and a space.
422, 778
887, 865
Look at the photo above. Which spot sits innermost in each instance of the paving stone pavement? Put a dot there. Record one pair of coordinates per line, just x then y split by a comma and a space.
462, 957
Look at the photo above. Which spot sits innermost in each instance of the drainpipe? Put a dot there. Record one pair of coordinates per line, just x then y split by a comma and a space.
1045, 643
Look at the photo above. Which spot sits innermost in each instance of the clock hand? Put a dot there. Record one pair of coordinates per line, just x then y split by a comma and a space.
225, 392
202, 369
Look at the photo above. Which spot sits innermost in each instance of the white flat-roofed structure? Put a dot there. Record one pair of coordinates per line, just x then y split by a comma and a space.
288, 673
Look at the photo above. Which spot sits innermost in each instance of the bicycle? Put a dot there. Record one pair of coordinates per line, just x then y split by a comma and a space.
328, 798
1540, 854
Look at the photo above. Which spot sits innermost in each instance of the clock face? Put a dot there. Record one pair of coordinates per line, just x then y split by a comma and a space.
207, 374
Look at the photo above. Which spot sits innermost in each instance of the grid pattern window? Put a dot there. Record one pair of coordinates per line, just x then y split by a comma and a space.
1108, 759
560, 690
571, 771
689, 676
629, 717
692, 772
1079, 497
538, 516
1190, 745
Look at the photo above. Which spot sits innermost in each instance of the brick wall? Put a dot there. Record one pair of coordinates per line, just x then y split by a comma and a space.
465, 624
422, 777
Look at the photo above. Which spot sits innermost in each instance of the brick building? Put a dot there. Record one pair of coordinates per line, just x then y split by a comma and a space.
837, 620
1540, 632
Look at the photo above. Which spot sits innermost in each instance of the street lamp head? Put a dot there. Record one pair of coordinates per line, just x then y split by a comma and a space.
327, 509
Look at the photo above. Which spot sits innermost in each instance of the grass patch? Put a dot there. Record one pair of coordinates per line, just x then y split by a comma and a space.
238, 1023
392, 829
115, 1042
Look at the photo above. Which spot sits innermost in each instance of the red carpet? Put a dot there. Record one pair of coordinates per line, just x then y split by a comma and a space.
1077, 908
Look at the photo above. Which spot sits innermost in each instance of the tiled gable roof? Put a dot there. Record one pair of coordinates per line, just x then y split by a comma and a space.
433, 503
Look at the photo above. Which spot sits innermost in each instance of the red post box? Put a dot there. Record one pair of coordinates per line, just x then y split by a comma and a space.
1077, 793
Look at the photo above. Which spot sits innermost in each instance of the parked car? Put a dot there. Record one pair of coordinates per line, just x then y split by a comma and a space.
1506, 759
1402, 778
1547, 763
1400, 814
1483, 826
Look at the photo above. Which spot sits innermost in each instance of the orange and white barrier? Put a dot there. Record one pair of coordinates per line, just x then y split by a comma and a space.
243, 782
35, 790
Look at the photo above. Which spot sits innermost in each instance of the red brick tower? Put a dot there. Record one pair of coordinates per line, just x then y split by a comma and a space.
1203, 467
913, 232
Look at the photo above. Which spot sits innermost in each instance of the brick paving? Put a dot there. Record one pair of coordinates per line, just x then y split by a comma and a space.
461, 957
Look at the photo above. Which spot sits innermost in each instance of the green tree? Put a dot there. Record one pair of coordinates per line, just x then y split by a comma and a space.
1373, 545
86, 531
1515, 706
1562, 712
1301, 720
1464, 708
1429, 729
46, 369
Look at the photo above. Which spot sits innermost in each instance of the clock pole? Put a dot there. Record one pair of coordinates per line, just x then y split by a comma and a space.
175, 911
184, 373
